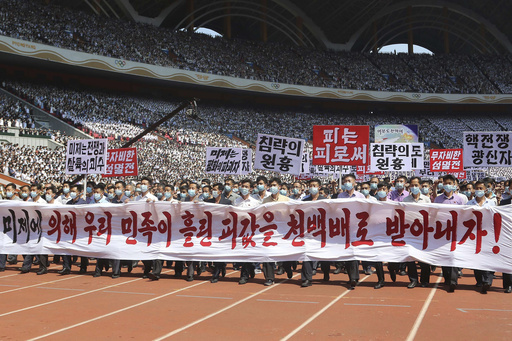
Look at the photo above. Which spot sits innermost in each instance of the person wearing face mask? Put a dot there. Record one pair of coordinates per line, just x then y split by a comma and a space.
489, 190
261, 187
219, 268
183, 192
235, 188
483, 277
275, 196
228, 190
35, 194
119, 198
168, 194
352, 267
382, 195
89, 193
10, 194
467, 190
416, 196
309, 267
64, 198
374, 181
366, 191
296, 191
110, 193
146, 196
207, 193
399, 193
507, 277
76, 199
246, 200
24, 193
449, 196
129, 192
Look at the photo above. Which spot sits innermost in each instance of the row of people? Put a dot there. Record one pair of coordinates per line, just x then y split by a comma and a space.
247, 193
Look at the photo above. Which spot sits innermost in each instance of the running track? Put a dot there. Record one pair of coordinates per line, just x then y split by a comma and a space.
80, 307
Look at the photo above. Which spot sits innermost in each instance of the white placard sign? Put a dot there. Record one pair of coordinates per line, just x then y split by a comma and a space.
396, 156
279, 154
86, 156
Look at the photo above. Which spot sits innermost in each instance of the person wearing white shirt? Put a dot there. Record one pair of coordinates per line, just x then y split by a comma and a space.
366, 190
261, 187
64, 198
145, 195
483, 277
246, 200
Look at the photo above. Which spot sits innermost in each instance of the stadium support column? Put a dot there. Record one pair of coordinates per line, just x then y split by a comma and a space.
410, 39
227, 20
264, 30
300, 23
482, 37
446, 32
375, 38
190, 13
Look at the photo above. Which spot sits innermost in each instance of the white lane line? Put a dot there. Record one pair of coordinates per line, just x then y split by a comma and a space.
60, 288
284, 301
465, 310
176, 331
129, 292
419, 319
10, 285
67, 298
35, 285
320, 312
218, 298
120, 310
379, 305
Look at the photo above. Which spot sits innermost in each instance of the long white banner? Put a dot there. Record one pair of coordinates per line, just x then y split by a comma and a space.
336, 230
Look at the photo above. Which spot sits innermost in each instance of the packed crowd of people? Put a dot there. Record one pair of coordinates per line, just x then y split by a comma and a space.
274, 62
250, 193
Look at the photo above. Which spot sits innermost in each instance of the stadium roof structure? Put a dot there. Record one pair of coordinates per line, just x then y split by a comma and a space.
442, 26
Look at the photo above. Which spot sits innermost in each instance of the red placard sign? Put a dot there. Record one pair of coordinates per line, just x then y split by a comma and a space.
341, 145
446, 160
121, 162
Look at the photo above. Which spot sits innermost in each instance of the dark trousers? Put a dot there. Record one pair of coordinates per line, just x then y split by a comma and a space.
507, 280
3, 261
66, 262
247, 270
352, 267
287, 266
148, 265
27, 262
307, 270
191, 267
379, 270
101, 263
116, 267
425, 272
412, 271
220, 267
483, 276
157, 266
450, 274
179, 266
268, 271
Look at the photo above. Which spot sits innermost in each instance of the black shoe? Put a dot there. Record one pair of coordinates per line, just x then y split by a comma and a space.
200, 270
42, 271
280, 271
252, 273
214, 280
402, 273
268, 282
289, 273
368, 271
190, 279
115, 276
353, 285
97, 274
392, 274
24, 270
178, 274
82, 270
326, 277
485, 287
379, 285
144, 276
412, 285
314, 272
64, 272
424, 285
508, 290
337, 270
223, 272
452, 287
130, 268
306, 283
479, 285
242, 280
153, 277
2, 269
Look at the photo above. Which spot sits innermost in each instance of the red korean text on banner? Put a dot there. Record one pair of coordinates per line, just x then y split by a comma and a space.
121, 162
341, 145
446, 160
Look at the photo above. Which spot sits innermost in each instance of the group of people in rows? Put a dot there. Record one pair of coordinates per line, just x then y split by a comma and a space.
248, 193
